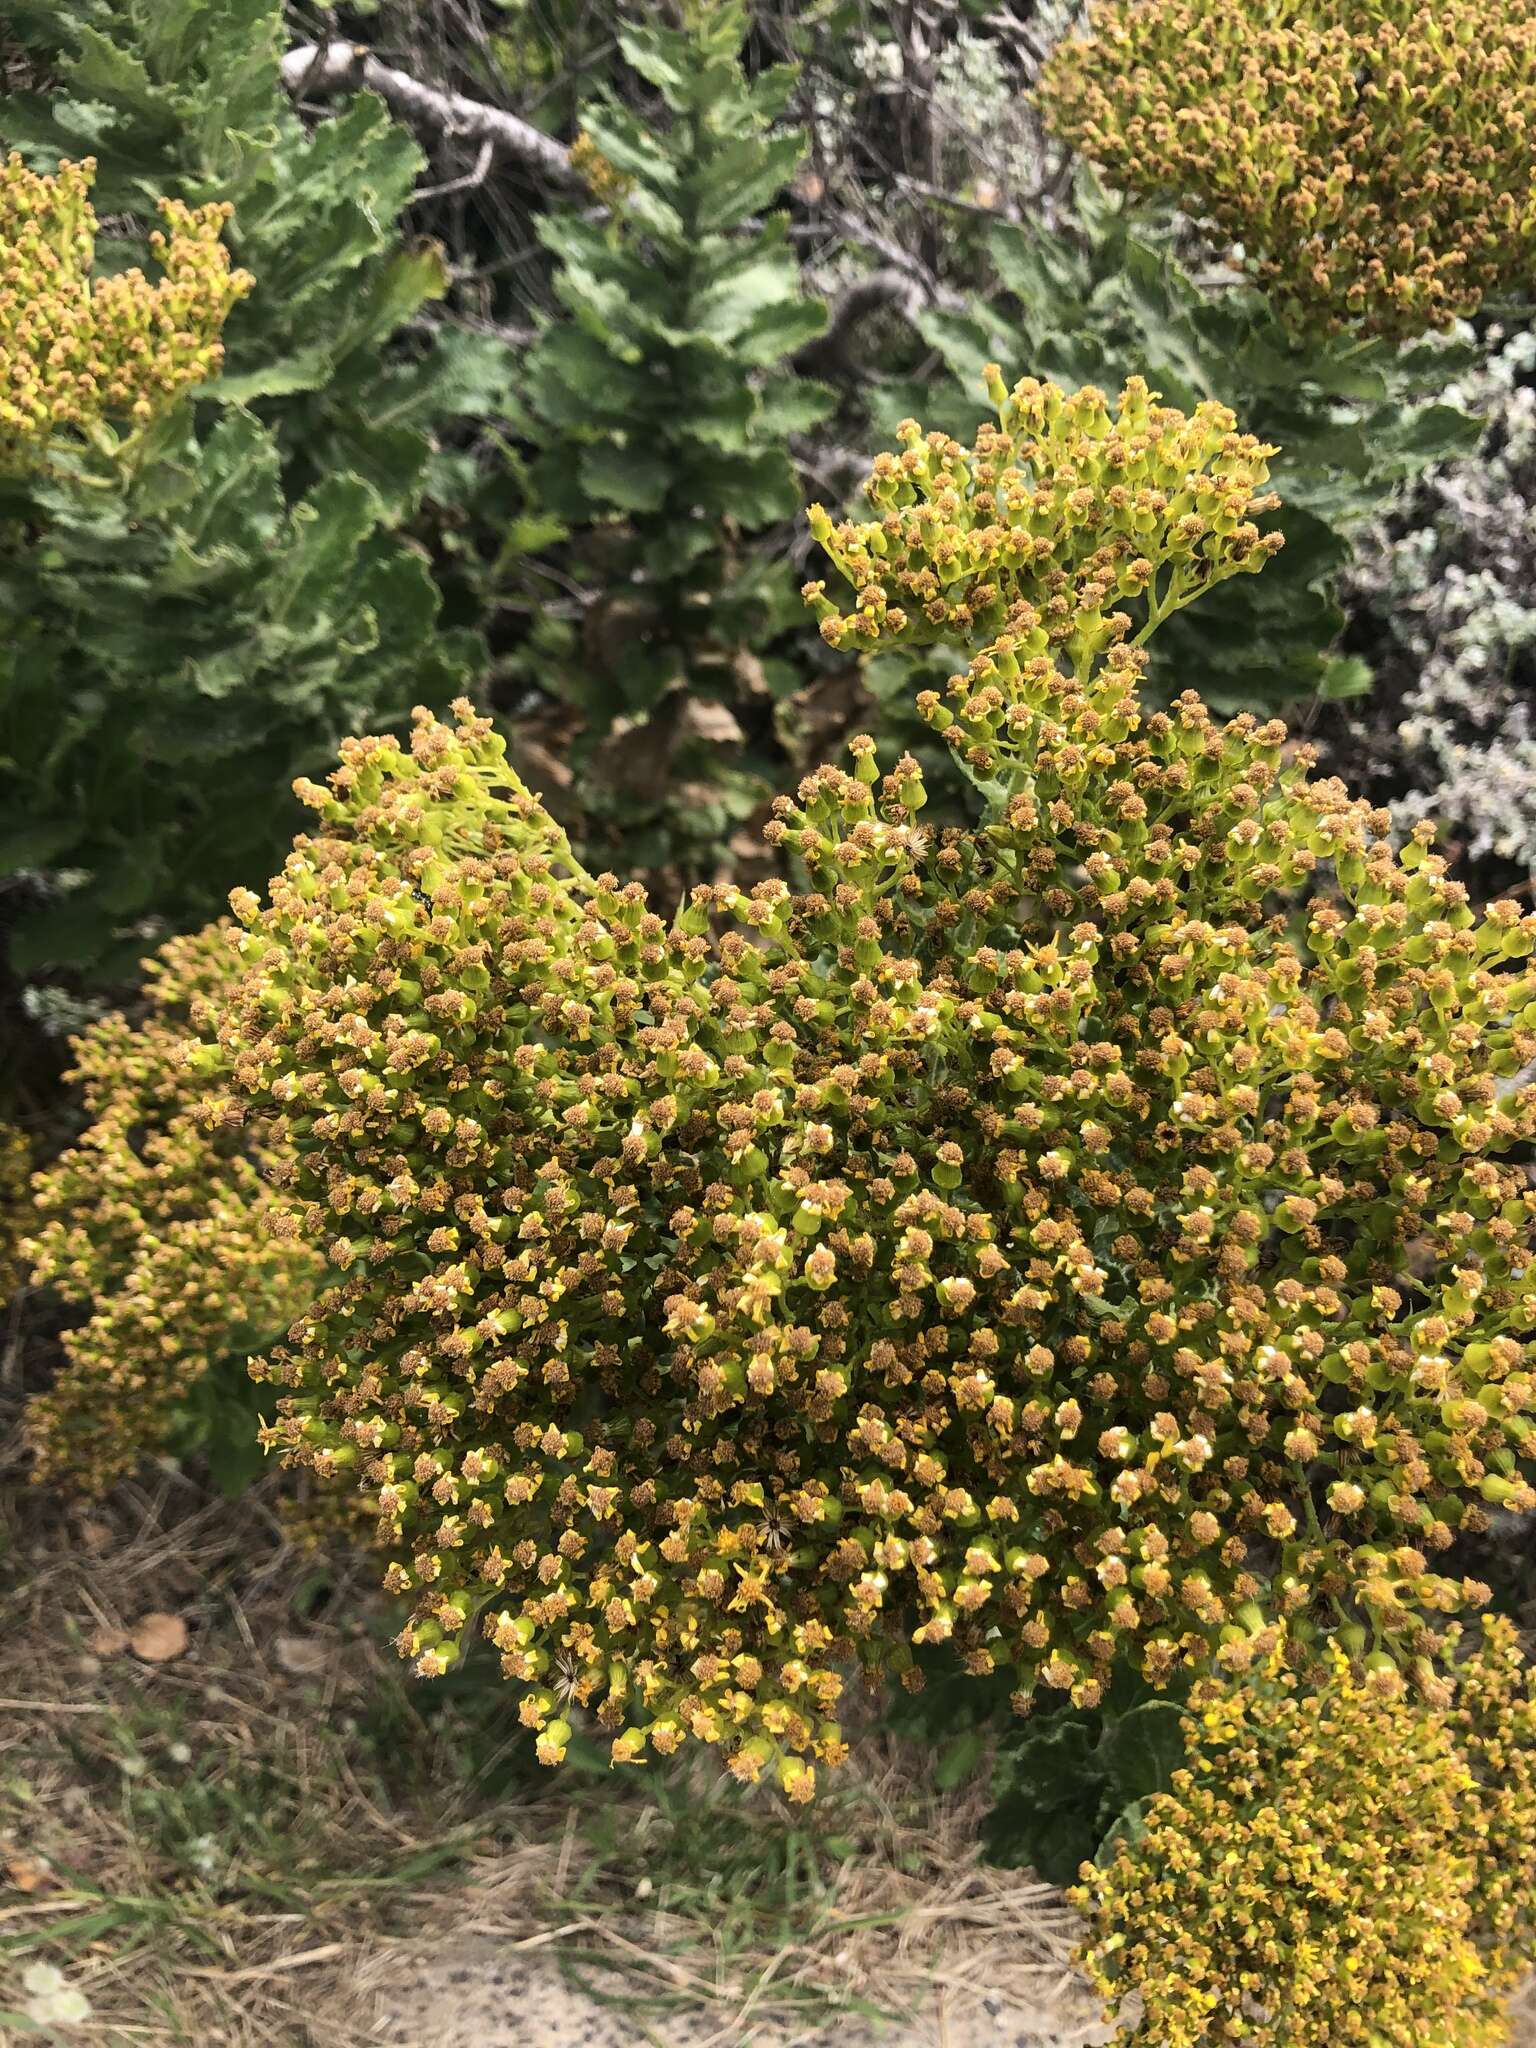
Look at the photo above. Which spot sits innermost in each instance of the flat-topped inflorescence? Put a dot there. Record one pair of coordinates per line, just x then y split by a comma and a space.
83, 356
1374, 160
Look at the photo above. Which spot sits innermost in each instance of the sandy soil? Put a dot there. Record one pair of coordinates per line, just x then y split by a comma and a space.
524, 2001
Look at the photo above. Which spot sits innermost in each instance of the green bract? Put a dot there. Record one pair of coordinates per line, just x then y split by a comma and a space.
1084, 1236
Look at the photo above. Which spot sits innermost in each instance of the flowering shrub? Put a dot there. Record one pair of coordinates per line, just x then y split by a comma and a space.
1335, 140
1338, 1863
1070, 1239
15, 1207
159, 1219
77, 353
221, 605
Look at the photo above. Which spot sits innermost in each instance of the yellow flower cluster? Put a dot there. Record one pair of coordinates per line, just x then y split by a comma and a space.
78, 353
602, 177
15, 1207
160, 1220
1059, 516
1085, 1238
1493, 1724
1373, 158
1339, 1863
1023, 1239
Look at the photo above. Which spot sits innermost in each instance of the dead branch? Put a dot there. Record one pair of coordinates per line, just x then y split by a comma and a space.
314, 70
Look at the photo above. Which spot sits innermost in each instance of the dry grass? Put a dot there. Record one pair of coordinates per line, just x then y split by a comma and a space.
259, 1841
199, 1842
700, 1910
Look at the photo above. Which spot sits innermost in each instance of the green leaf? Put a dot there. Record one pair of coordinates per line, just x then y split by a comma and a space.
627, 477
958, 1759
793, 405
67, 934
1055, 1841
968, 342
778, 331
747, 174
1344, 676
110, 72
661, 59
754, 492
1436, 433
1041, 269
1143, 1749
1128, 1826
35, 846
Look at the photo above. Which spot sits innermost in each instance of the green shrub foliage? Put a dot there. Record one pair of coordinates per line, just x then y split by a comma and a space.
656, 408
194, 627
1072, 1241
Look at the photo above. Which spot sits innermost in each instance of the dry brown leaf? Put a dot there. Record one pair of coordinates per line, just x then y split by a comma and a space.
750, 673
702, 719
107, 1642
157, 1638
25, 1874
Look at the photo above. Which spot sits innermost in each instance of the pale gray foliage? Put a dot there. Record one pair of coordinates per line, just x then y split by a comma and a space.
1451, 584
